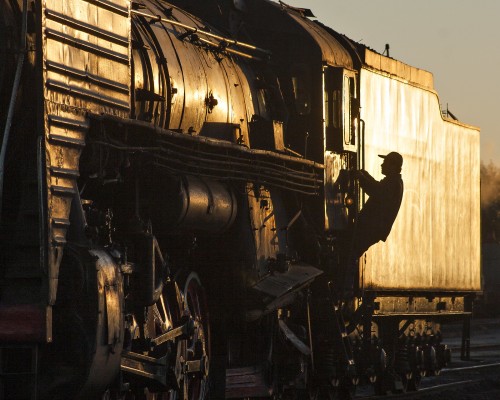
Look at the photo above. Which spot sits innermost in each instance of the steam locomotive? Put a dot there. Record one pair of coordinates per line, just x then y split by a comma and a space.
177, 208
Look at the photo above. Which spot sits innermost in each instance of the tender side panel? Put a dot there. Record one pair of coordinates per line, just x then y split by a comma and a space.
398, 68
86, 68
435, 241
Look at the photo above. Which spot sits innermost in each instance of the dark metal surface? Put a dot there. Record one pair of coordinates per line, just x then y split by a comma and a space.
14, 93
333, 53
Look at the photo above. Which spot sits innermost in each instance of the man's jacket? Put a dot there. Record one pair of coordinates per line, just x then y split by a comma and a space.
380, 211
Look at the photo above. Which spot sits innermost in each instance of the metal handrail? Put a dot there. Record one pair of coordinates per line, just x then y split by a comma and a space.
194, 30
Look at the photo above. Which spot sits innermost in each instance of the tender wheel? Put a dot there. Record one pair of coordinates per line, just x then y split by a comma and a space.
414, 383
406, 378
347, 388
321, 393
390, 381
417, 366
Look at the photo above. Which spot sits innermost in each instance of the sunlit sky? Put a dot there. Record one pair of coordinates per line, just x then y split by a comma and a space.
457, 40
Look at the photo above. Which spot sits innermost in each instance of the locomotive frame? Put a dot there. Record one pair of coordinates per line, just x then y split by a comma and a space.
177, 209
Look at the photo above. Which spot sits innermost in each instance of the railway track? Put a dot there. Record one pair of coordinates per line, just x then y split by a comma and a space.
476, 382
479, 347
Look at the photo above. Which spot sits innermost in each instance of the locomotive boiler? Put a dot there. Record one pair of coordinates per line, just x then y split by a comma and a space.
178, 209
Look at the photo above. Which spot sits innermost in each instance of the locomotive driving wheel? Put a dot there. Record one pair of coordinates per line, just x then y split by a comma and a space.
192, 364
186, 306
162, 317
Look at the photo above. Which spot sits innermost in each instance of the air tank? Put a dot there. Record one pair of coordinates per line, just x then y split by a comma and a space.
197, 204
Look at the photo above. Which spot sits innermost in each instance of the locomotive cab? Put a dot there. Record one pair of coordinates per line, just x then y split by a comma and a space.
341, 110
342, 147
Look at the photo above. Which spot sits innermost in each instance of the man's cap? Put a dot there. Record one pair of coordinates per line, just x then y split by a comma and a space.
393, 158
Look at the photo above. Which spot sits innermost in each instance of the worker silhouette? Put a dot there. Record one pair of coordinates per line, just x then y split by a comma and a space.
377, 216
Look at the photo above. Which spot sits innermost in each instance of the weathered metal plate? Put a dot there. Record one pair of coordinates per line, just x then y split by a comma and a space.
86, 68
434, 244
280, 283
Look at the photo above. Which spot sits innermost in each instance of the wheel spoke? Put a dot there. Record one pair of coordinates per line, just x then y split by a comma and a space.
195, 347
164, 309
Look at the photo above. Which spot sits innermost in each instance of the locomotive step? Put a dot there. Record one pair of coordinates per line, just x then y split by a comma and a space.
247, 382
